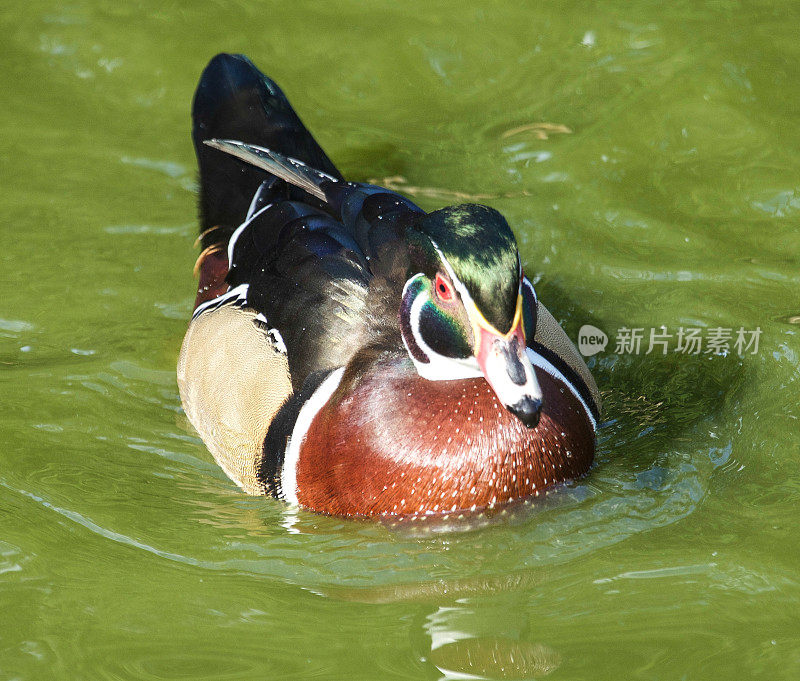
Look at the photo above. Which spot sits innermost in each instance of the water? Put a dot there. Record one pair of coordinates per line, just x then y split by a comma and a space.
662, 191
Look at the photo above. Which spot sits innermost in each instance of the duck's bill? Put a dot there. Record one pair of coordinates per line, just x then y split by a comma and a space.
505, 365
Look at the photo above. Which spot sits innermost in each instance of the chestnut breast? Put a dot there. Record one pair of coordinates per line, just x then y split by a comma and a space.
394, 443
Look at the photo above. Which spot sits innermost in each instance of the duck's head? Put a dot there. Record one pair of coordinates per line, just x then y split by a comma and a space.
465, 311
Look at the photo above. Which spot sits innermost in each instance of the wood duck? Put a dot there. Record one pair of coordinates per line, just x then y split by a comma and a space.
350, 352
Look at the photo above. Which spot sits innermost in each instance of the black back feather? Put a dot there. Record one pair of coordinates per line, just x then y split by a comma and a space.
328, 281
235, 100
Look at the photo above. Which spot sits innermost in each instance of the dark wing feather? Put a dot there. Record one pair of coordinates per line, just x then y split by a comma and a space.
310, 280
287, 169
363, 209
321, 279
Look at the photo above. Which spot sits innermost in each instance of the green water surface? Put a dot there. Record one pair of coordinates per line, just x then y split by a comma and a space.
664, 189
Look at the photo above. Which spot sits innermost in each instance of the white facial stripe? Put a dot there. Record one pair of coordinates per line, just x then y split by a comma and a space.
539, 361
414, 315
466, 298
527, 282
439, 368
509, 392
304, 419
411, 281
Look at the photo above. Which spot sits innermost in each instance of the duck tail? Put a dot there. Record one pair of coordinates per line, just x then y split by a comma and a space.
234, 100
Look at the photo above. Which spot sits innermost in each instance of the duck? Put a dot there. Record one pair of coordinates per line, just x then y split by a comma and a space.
351, 353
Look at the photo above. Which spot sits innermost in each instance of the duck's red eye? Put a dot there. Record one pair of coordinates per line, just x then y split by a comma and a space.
443, 288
